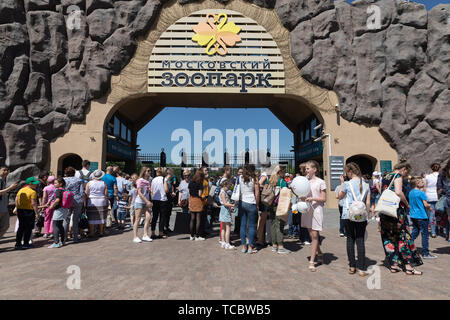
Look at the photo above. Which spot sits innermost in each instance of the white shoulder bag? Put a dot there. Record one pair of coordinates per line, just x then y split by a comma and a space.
236, 195
388, 202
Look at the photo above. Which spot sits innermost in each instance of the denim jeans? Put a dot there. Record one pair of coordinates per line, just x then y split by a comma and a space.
75, 214
249, 215
113, 203
293, 228
421, 225
431, 217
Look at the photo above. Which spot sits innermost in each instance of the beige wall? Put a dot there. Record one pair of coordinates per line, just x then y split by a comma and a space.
88, 139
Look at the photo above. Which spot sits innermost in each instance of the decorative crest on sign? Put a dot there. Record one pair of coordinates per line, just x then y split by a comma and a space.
216, 38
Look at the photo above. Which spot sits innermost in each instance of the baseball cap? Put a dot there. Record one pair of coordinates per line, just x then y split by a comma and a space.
375, 173
32, 180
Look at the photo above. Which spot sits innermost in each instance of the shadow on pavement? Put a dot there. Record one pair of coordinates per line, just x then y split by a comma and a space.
443, 250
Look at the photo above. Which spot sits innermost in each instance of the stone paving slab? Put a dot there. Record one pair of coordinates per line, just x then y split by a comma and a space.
114, 267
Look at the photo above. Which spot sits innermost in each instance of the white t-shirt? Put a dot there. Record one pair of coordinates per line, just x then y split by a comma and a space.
158, 189
247, 191
121, 184
431, 191
85, 172
144, 185
184, 190
375, 181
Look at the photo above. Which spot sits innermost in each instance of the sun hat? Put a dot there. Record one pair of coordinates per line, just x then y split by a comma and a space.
98, 174
50, 179
32, 180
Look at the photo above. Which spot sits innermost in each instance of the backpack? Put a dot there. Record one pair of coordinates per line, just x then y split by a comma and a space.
85, 177
268, 194
357, 211
67, 199
216, 196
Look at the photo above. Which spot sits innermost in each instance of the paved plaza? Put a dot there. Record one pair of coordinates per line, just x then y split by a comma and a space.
114, 267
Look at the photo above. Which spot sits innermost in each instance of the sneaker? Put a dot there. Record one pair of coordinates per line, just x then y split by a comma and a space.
283, 251
137, 240
27, 246
341, 235
229, 246
199, 239
377, 219
54, 245
147, 238
223, 244
306, 243
429, 256
274, 249
62, 243
192, 238
18, 247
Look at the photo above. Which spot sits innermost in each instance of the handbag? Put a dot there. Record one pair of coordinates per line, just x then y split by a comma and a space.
40, 221
440, 205
236, 195
183, 203
84, 222
388, 202
284, 203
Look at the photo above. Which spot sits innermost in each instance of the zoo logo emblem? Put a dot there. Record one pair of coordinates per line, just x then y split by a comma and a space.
219, 37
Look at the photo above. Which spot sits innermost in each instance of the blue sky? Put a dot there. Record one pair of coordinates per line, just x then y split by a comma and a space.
157, 133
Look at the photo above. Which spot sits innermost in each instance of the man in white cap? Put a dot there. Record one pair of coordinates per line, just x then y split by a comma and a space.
375, 192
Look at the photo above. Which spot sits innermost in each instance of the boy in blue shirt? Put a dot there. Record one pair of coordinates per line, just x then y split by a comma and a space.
418, 206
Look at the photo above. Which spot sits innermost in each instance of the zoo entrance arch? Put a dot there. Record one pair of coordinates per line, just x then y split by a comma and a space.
138, 94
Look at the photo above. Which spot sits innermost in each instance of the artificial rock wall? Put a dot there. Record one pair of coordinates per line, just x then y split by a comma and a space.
395, 77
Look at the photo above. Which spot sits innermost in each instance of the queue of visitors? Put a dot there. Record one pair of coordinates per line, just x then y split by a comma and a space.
100, 201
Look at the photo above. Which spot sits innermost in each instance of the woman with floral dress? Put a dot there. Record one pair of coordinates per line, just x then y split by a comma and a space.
397, 241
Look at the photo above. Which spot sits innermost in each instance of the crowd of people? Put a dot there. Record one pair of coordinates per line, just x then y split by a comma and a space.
64, 207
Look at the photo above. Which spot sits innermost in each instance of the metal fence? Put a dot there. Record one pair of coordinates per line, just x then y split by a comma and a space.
234, 160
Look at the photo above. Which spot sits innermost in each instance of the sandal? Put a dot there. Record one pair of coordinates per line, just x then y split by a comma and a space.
395, 269
352, 270
252, 250
362, 273
312, 267
413, 272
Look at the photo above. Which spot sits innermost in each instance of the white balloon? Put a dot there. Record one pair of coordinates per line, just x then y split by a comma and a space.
300, 186
302, 207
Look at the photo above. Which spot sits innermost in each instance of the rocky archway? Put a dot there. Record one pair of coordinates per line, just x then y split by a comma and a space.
395, 77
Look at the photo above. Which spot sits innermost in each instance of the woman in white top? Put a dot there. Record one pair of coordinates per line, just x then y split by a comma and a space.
142, 205
183, 188
160, 189
96, 202
431, 192
355, 231
249, 188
